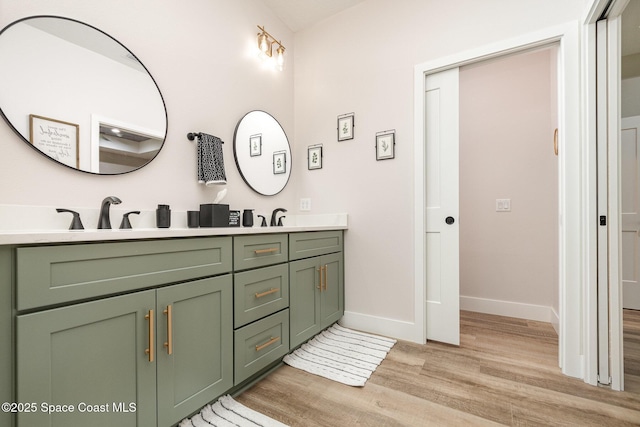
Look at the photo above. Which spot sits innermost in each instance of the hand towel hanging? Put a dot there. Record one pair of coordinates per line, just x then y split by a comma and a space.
210, 160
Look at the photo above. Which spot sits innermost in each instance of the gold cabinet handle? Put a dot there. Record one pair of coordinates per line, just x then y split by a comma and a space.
169, 343
265, 251
326, 267
265, 293
149, 351
272, 340
555, 142
320, 285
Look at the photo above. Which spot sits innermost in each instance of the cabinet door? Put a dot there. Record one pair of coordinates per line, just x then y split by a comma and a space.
91, 356
304, 300
332, 294
200, 366
6, 328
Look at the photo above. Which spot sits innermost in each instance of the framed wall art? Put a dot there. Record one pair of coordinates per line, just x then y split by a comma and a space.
255, 145
314, 157
57, 139
386, 145
346, 123
279, 162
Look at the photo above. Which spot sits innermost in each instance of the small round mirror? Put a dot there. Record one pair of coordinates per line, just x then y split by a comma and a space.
262, 153
78, 96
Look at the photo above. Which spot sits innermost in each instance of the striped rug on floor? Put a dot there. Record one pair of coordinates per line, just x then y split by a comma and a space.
226, 412
342, 355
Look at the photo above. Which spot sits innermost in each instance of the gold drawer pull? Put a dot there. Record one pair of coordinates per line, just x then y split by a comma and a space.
268, 343
265, 293
149, 350
265, 251
169, 343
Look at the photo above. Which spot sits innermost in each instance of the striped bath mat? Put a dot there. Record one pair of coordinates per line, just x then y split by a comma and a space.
342, 355
226, 412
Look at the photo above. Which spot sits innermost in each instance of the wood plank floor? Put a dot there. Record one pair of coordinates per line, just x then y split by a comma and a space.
505, 372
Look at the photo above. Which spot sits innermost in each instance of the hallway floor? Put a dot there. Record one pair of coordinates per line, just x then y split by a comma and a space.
505, 372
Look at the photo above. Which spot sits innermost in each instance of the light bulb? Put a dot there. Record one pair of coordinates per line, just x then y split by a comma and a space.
263, 44
280, 57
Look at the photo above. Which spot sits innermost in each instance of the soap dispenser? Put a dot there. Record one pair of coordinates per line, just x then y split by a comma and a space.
247, 218
163, 216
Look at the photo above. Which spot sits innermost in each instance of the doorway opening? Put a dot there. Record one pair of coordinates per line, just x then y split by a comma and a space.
574, 323
509, 186
630, 191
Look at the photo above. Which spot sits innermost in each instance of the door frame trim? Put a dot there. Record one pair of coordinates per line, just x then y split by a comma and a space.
573, 166
614, 259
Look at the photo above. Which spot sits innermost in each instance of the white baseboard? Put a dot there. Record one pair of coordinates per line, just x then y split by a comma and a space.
409, 331
518, 310
381, 326
555, 320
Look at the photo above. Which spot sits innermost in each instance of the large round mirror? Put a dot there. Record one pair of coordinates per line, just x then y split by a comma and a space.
262, 153
78, 96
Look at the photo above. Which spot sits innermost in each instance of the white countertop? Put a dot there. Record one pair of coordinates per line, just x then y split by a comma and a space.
16, 236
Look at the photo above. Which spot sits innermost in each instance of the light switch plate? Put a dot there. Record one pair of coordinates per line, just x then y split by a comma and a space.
503, 205
305, 205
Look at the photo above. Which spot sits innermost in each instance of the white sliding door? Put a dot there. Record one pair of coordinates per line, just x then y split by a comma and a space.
442, 206
630, 186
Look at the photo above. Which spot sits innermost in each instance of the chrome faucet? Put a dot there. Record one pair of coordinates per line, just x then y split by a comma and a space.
104, 222
273, 221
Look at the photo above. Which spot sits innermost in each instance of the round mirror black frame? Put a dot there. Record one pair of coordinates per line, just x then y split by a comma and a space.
256, 167
132, 56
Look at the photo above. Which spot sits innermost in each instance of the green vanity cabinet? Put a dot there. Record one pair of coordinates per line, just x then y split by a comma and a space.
6, 333
88, 354
97, 354
146, 332
316, 287
194, 324
49, 275
261, 302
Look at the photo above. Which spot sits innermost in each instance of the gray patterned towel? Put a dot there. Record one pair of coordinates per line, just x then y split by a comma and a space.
210, 160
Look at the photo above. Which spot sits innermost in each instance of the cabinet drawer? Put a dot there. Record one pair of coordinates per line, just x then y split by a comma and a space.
259, 344
259, 293
259, 251
57, 274
314, 243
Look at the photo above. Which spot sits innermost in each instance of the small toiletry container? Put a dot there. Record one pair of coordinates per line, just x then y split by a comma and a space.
163, 216
193, 219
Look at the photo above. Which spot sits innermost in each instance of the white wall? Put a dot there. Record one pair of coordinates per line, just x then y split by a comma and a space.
362, 61
509, 260
201, 54
630, 99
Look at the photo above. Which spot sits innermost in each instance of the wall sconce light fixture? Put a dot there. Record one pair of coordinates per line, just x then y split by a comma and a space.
265, 44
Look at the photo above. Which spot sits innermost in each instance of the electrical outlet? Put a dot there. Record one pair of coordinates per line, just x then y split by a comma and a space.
503, 205
305, 204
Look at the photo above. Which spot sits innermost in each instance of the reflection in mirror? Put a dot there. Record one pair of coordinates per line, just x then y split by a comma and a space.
262, 153
79, 96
